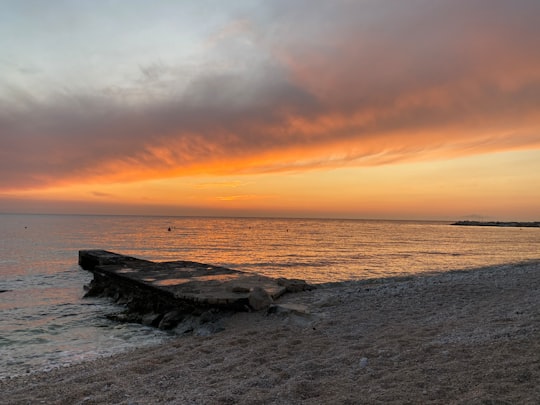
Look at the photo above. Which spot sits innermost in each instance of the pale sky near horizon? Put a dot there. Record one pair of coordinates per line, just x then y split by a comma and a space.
413, 109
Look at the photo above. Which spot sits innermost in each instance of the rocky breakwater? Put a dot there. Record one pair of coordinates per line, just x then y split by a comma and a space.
499, 223
181, 295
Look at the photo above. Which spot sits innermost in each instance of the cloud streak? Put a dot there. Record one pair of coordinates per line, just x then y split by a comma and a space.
298, 86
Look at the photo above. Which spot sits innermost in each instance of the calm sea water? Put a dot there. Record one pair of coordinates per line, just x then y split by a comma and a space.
45, 322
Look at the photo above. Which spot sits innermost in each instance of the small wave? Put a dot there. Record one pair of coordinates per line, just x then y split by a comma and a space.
436, 253
43, 349
277, 264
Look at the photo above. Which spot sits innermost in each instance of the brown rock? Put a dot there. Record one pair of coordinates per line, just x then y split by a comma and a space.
259, 299
171, 319
293, 285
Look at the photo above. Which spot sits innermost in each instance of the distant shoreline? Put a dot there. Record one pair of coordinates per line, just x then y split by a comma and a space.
499, 223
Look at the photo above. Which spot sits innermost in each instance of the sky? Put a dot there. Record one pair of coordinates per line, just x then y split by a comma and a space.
394, 109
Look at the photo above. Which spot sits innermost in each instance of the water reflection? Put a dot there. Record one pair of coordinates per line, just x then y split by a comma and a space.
172, 281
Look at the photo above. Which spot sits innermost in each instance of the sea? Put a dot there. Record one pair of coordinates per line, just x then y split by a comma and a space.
46, 323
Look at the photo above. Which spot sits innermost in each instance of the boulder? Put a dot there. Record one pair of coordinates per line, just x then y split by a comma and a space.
259, 299
209, 316
187, 325
171, 319
151, 319
208, 329
293, 285
288, 309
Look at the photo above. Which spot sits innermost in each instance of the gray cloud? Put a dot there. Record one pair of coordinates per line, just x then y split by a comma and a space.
377, 73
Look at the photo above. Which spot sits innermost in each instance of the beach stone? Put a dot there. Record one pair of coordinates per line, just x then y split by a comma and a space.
329, 301
288, 309
151, 319
208, 316
208, 329
259, 299
363, 362
294, 314
294, 285
187, 325
170, 320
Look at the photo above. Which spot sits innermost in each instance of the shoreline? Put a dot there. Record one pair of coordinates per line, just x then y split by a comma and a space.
502, 224
464, 336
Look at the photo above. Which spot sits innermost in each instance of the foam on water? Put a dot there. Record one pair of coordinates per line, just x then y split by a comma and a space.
46, 324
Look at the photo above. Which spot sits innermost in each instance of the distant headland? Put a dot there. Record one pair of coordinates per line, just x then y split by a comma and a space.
499, 223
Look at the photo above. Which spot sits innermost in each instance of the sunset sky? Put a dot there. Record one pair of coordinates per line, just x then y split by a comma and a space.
397, 109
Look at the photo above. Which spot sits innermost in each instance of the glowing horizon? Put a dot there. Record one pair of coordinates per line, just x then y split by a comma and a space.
361, 110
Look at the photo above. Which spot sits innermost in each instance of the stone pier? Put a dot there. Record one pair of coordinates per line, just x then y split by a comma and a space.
163, 293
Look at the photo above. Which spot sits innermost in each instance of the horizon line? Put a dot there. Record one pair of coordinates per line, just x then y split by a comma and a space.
261, 216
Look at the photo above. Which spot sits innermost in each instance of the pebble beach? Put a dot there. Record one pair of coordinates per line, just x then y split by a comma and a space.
461, 337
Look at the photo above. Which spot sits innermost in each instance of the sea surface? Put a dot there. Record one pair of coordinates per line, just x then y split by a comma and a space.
46, 323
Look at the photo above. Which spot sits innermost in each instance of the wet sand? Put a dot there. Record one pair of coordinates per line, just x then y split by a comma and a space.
470, 337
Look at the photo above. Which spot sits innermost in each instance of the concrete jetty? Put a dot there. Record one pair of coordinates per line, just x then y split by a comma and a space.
163, 293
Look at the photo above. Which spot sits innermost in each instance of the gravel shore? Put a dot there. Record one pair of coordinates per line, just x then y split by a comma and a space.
467, 337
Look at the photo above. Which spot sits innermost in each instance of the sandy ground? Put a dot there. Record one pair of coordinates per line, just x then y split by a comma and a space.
457, 338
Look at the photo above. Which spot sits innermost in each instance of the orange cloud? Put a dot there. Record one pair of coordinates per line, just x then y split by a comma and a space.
242, 197
353, 84
221, 184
